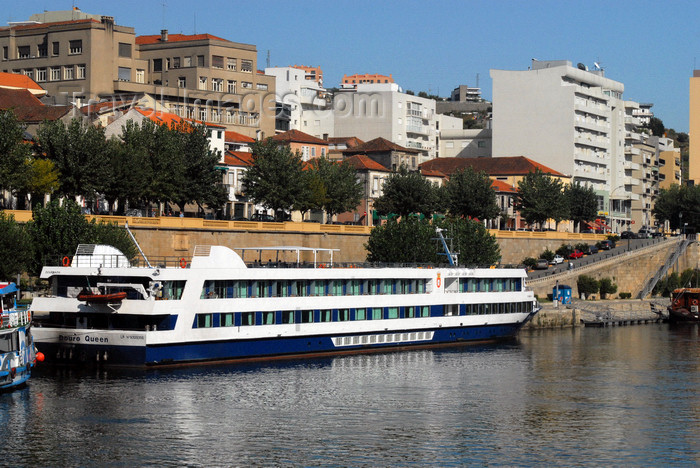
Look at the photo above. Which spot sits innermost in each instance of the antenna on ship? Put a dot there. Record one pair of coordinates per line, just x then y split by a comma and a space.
126, 226
451, 257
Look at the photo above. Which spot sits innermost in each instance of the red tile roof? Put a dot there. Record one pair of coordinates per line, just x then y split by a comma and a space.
500, 186
378, 145
363, 162
295, 136
36, 114
10, 98
16, 80
504, 166
431, 173
169, 119
98, 107
236, 137
350, 142
155, 38
238, 158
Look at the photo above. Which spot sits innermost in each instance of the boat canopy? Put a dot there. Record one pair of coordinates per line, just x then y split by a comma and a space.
288, 248
7, 288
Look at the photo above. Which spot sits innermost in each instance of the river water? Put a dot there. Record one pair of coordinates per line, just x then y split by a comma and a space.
617, 396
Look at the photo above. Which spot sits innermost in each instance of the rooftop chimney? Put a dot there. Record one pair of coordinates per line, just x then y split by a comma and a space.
164, 35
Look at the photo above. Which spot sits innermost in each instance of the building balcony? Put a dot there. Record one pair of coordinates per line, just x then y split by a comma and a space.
419, 129
631, 181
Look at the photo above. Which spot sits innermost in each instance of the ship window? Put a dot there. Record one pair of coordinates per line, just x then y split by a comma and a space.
353, 288
282, 288
240, 288
376, 313
299, 288
425, 311
373, 286
343, 315
420, 286
204, 320
307, 316
387, 286
360, 314
326, 315
336, 288
9, 342
172, 290
268, 318
227, 320
287, 316
392, 313
247, 318
410, 312
318, 288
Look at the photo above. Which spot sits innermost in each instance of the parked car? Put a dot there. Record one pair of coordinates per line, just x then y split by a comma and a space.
542, 264
557, 260
628, 235
262, 217
592, 249
575, 254
607, 245
644, 233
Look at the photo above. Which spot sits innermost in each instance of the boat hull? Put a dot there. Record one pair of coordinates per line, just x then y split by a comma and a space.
682, 315
72, 349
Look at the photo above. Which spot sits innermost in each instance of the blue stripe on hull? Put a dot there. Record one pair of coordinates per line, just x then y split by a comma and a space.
254, 349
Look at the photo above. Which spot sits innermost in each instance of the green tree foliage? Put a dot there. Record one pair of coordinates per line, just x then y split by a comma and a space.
471, 241
547, 255
56, 231
564, 250
405, 192
16, 248
679, 205
471, 195
79, 153
607, 287
313, 195
408, 241
587, 285
688, 278
43, 179
582, 202
343, 191
656, 126
14, 153
541, 197
275, 179
529, 262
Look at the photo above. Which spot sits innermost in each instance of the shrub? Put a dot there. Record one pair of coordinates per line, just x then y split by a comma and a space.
625, 295
530, 262
607, 287
582, 246
547, 255
565, 250
613, 237
587, 285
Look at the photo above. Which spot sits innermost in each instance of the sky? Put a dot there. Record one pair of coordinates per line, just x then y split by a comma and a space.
651, 47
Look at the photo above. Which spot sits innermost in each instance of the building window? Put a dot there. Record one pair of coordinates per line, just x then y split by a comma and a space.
217, 61
41, 74
68, 73
200, 60
247, 84
176, 62
231, 86
182, 82
157, 65
75, 47
187, 62
55, 73
23, 52
54, 48
261, 86
203, 114
247, 66
80, 72
124, 49
5, 52
481, 144
140, 76
217, 84
124, 74
42, 50
28, 73
231, 64
203, 83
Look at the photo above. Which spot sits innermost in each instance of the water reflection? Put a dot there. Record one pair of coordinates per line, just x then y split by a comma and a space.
574, 397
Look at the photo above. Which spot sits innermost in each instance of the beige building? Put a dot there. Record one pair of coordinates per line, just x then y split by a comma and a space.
78, 57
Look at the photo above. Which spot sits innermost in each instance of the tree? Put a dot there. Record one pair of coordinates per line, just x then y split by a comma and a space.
582, 202
587, 285
607, 287
540, 197
275, 179
656, 126
43, 179
343, 191
14, 153
471, 241
407, 241
313, 195
16, 248
679, 205
79, 153
405, 192
471, 195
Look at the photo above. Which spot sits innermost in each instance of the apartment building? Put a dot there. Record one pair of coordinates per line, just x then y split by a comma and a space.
669, 163
311, 73
575, 121
79, 57
300, 93
351, 82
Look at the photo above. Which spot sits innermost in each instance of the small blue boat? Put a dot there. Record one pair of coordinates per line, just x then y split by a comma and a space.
17, 353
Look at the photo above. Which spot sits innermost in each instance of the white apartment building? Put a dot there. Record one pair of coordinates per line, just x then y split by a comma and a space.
304, 96
574, 120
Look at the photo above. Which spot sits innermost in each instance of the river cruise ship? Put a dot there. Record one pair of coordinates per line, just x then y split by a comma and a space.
216, 307
17, 355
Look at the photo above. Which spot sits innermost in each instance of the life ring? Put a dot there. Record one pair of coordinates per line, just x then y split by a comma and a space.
183, 263
694, 302
66, 261
439, 281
